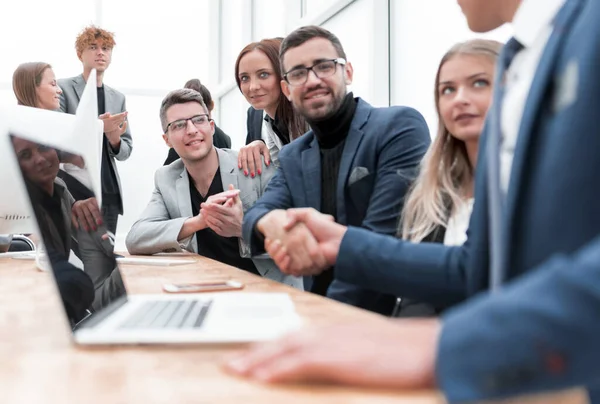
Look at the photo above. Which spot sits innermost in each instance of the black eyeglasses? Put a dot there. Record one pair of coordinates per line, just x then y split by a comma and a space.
180, 124
322, 69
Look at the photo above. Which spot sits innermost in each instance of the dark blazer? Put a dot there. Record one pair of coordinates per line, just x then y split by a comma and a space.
220, 140
254, 122
382, 152
543, 329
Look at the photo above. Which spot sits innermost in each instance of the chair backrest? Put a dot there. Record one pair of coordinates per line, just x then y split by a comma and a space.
21, 243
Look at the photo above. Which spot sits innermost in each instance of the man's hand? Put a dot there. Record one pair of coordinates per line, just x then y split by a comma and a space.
305, 257
249, 157
383, 353
86, 214
114, 127
323, 228
198, 222
224, 218
112, 122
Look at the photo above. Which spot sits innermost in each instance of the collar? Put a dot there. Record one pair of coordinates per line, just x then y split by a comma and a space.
532, 17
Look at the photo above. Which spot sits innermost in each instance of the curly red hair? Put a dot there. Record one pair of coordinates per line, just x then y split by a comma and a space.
91, 34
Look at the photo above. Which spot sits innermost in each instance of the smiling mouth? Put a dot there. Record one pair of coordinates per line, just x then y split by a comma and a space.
464, 117
194, 142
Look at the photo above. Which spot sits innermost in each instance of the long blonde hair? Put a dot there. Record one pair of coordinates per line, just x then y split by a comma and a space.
446, 173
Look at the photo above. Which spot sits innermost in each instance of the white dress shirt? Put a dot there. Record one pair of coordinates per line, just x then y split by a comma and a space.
456, 230
532, 26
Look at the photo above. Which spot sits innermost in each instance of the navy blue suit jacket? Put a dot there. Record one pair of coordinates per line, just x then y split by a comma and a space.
384, 145
254, 122
541, 332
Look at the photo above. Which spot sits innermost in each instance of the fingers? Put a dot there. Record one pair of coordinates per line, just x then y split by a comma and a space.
216, 209
248, 362
250, 161
243, 160
123, 127
267, 155
257, 159
298, 215
278, 253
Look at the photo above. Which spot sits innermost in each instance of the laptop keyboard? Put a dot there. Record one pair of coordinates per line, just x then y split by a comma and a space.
168, 314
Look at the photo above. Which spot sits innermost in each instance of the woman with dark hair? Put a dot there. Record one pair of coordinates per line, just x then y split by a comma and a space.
220, 138
258, 76
34, 85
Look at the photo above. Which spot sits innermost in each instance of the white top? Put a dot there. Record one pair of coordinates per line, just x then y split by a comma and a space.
456, 231
532, 26
272, 141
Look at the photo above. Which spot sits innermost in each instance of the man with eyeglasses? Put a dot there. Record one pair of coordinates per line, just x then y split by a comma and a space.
355, 164
199, 200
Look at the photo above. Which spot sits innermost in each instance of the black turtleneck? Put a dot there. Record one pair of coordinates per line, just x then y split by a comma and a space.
331, 134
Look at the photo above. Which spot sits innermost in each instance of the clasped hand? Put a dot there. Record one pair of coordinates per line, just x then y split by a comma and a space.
223, 213
301, 241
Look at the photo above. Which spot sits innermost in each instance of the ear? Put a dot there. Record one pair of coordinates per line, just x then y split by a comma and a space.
166, 139
285, 89
348, 73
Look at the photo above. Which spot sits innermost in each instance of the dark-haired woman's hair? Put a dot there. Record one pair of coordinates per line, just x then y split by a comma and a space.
285, 113
195, 84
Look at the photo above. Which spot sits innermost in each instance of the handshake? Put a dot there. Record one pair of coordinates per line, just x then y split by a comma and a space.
301, 241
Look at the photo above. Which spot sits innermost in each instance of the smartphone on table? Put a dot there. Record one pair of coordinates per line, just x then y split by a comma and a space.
202, 287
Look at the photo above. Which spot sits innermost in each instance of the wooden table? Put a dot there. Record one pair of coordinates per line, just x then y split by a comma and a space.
39, 364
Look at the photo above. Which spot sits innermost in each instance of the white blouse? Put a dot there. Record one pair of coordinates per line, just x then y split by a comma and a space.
456, 231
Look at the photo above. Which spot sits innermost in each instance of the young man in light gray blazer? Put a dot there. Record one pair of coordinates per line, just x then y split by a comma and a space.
199, 200
94, 48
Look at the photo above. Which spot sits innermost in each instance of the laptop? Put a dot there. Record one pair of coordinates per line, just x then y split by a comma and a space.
106, 313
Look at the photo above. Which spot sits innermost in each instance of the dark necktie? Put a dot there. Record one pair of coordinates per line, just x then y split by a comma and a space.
495, 194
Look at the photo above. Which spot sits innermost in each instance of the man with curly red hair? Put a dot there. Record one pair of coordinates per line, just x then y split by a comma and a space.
94, 47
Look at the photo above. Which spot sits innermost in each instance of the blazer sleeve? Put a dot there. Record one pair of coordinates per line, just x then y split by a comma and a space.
249, 126
126, 140
400, 154
276, 196
64, 104
155, 231
545, 324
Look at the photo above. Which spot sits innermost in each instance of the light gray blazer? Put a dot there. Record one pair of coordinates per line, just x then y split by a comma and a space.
170, 205
114, 101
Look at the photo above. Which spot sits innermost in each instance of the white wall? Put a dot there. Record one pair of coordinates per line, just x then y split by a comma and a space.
160, 45
421, 32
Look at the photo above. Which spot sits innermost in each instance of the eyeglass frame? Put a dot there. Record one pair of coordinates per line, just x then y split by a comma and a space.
336, 61
186, 121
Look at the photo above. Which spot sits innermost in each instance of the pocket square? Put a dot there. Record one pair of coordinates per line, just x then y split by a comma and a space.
357, 174
566, 87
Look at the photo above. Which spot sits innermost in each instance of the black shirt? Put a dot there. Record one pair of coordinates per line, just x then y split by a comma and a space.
110, 186
331, 134
210, 244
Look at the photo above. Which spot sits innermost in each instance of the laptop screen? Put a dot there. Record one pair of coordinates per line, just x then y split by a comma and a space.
79, 248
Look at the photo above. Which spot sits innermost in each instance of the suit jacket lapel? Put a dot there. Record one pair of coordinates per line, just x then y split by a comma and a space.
311, 173
533, 107
79, 86
228, 169
353, 140
182, 187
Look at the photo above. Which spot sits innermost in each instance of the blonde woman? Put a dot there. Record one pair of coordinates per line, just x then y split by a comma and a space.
438, 207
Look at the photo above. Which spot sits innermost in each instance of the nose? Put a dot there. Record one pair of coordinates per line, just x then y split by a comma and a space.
312, 79
462, 95
59, 90
38, 159
254, 85
190, 128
